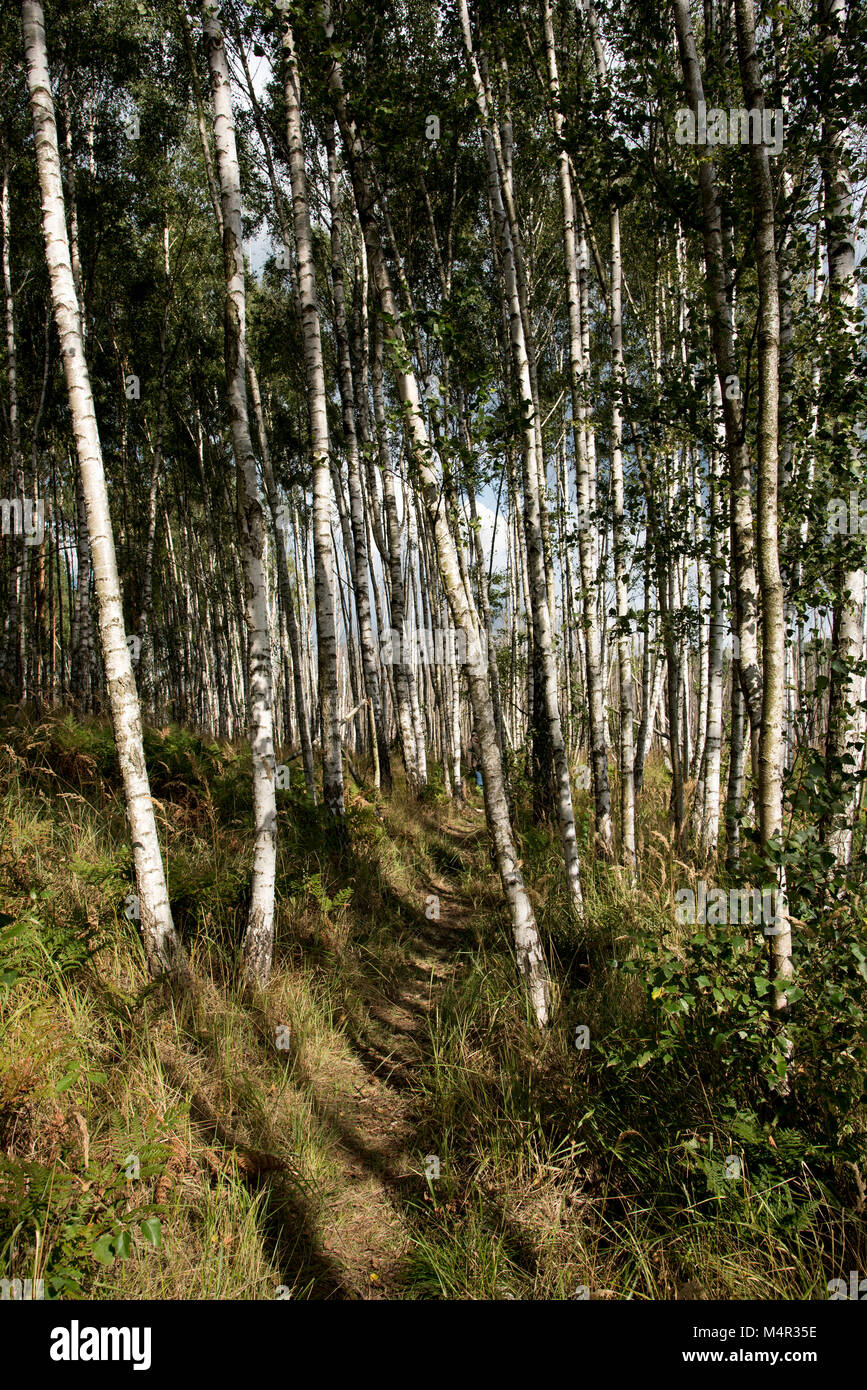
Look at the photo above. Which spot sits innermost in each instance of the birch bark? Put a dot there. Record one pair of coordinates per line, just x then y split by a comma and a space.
541, 609
258, 944
773, 608
845, 717
323, 550
162, 946
356, 495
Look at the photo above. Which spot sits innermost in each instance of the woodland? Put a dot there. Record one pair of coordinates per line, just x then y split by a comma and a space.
432, 667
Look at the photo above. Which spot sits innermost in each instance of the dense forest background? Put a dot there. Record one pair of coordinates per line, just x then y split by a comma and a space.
434, 518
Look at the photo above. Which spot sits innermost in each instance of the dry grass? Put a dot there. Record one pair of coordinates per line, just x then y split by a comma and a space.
300, 1171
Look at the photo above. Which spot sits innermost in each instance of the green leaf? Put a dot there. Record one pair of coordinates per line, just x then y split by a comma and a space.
152, 1231
102, 1249
123, 1245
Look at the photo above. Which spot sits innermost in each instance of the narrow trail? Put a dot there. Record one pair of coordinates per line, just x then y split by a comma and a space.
362, 1228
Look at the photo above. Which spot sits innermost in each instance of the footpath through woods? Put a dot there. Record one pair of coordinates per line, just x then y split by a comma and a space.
379, 1162
327, 1134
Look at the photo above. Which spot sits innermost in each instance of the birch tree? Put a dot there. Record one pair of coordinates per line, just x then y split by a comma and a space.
722, 330
773, 608
845, 717
332, 765
258, 945
533, 482
162, 946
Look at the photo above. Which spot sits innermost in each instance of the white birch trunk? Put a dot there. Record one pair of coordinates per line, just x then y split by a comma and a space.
541, 608
773, 606
584, 443
323, 550
258, 946
713, 735
162, 947
361, 567
845, 717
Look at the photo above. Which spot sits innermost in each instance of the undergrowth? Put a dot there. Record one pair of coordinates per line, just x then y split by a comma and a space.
157, 1146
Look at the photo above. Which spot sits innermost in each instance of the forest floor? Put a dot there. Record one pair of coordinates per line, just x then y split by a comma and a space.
383, 1122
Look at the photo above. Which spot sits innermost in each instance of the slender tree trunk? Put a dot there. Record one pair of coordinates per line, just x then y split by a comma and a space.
323, 550
579, 367
162, 947
396, 658
722, 331
845, 717
258, 945
546, 673
16, 632
287, 598
361, 569
621, 563
773, 606
713, 736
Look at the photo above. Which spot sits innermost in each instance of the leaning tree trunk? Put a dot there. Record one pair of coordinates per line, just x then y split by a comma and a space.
162, 947
531, 961
258, 946
543, 644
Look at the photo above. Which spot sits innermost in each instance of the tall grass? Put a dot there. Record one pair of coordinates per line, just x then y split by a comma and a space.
563, 1172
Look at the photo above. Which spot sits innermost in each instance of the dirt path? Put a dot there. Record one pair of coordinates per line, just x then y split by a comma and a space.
362, 1230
